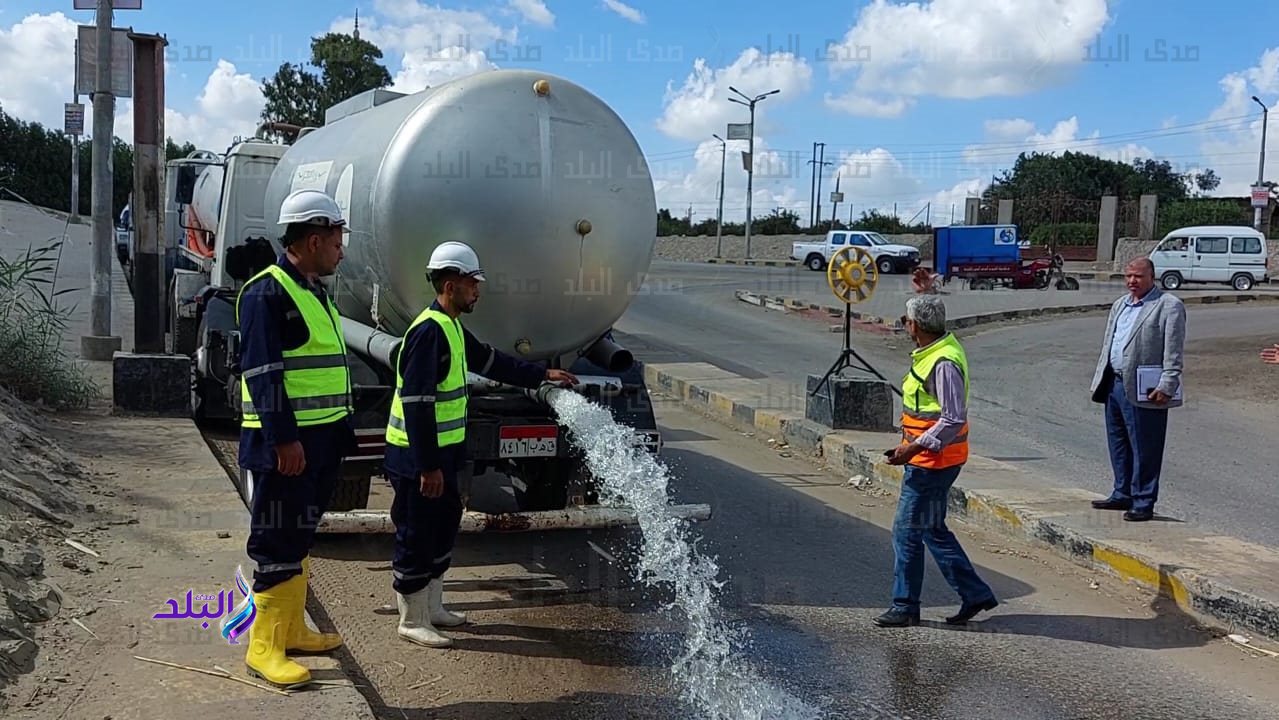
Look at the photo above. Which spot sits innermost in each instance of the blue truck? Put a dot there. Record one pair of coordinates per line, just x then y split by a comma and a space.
988, 256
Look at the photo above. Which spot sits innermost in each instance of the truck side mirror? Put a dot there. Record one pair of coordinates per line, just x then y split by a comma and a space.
185, 186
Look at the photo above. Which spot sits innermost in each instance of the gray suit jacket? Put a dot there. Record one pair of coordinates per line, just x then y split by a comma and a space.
1157, 338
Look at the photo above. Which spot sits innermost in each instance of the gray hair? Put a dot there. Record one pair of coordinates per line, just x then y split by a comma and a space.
928, 312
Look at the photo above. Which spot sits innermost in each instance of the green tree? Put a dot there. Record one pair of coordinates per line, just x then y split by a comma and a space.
344, 66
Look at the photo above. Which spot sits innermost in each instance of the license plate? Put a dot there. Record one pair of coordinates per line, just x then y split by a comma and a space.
528, 441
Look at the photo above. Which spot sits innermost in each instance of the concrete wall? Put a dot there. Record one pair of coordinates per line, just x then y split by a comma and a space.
764, 247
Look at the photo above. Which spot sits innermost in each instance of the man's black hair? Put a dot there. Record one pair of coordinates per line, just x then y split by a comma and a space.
439, 277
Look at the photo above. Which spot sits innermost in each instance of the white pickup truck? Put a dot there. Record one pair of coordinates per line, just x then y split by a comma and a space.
889, 258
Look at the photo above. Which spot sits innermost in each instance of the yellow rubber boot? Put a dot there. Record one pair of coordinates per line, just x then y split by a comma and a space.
265, 657
303, 639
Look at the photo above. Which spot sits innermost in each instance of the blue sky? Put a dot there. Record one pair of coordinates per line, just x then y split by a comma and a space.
933, 99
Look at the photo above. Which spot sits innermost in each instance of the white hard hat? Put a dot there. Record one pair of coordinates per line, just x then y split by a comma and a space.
310, 206
456, 256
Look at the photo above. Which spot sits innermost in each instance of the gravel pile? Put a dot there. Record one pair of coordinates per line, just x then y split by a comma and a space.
38, 496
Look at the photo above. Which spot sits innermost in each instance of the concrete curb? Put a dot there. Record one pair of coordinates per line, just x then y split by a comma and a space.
1039, 515
777, 302
753, 261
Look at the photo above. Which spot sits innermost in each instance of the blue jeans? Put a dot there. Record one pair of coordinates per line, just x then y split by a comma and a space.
1136, 437
920, 521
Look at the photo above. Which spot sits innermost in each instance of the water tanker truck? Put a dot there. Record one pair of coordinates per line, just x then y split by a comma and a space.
537, 174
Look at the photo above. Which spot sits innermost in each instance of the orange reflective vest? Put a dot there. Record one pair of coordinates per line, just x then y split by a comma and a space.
921, 411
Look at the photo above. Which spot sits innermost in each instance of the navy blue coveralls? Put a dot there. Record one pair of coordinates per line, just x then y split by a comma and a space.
425, 528
285, 510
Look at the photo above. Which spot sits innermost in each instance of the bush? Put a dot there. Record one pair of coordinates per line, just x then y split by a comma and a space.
33, 365
1070, 234
1202, 212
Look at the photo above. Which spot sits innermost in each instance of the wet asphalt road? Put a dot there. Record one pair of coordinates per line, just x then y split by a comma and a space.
566, 633
1030, 399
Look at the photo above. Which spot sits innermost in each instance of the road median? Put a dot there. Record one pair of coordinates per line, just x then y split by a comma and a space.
792, 304
1220, 580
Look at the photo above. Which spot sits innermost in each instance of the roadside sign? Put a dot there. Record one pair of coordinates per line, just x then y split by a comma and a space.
837, 197
739, 131
73, 118
115, 4
121, 61
746, 161
1260, 196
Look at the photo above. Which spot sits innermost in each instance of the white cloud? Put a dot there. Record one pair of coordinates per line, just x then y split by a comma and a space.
38, 57
1233, 146
959, 49
1006, 138
535, 11
229, 105
625, 11
437, 44
701, 106
678, 186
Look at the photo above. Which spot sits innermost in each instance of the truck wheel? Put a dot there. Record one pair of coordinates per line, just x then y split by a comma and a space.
1242, 282
542, 485
1171, 280
885, 266
351, 493
815, 262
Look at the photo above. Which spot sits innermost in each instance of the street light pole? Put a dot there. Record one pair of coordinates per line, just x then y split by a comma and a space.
750, 165
1261, 162
719, 218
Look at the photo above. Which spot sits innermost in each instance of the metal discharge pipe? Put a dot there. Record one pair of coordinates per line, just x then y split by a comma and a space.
371, 342
609, 355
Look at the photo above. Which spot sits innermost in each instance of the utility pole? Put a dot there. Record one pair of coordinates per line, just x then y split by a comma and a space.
719, 216
750, 165
1261, 162
834, 203
148, 196
812, 190
822, 162
99, 344
75, 141
815, 207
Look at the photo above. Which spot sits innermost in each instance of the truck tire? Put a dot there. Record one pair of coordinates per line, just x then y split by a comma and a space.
815, 262
543, 485
1171, 280
885, 266
351, 493
1241, 282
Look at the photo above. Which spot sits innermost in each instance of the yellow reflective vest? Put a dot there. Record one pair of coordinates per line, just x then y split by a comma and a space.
449, 399
921, 411
317, 381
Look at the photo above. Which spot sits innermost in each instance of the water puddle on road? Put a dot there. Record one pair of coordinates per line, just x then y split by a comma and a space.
711, 669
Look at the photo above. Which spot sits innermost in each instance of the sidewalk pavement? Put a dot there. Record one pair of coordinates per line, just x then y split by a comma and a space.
165, 520
1221, 580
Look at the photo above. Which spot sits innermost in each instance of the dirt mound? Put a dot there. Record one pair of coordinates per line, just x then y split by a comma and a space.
39, 497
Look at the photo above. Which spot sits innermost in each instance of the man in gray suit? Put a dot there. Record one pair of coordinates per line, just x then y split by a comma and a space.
1147, 330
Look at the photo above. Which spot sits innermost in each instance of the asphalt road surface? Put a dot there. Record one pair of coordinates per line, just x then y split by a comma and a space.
559, 630
1030, 395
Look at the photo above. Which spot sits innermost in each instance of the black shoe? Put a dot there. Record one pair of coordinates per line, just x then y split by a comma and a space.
896, 618
1111, 504
968, 612
1139, 515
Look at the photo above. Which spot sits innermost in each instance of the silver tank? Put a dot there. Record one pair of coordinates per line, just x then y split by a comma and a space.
537, 174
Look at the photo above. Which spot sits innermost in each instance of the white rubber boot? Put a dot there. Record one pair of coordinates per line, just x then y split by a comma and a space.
440, 616
415, 623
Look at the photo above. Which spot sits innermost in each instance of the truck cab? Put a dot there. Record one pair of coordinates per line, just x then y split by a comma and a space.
889, 257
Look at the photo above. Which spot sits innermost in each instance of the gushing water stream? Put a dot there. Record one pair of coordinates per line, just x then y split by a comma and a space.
711, 670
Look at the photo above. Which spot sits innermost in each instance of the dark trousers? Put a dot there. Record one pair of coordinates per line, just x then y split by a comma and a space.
425, 530
285, 512
920, 523
1136, 437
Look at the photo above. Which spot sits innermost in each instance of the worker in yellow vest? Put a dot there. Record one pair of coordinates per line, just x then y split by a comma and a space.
934, 448
426, 437
295, 391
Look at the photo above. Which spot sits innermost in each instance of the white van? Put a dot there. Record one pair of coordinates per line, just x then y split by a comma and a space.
1212, 254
